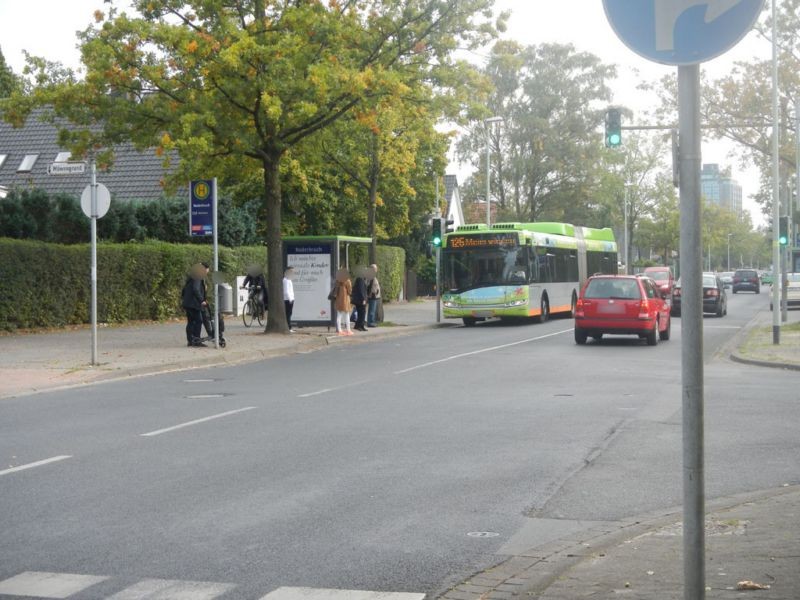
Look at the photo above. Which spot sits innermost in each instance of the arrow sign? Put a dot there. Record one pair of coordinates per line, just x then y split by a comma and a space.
668, 12
682, 32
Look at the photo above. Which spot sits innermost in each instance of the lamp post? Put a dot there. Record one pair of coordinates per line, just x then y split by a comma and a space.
488, 123
729, 252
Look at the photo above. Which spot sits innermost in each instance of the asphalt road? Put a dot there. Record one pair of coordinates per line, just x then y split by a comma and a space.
368, 466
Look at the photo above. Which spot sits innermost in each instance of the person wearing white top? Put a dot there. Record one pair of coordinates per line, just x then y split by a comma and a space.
288, 296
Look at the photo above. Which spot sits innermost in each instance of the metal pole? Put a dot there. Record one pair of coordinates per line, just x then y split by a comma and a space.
627, 246
438, 262
776, 200
94, 262
487, 124
692, 334
728, 268
216, 265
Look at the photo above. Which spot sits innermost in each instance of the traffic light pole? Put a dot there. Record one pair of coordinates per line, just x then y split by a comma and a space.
777, 279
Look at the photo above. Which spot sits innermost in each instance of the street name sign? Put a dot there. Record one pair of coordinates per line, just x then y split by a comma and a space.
66, 168
681, 32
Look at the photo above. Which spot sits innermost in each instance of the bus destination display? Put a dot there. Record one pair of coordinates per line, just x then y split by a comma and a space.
482, 241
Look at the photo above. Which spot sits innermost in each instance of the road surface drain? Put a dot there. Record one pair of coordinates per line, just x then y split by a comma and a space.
201, 380
483, 534
564, 395
205, 396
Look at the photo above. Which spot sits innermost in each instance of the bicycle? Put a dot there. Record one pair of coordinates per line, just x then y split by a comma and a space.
254, 307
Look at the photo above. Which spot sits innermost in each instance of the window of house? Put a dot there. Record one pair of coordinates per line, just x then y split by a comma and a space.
63, 156
27, 163
3, 158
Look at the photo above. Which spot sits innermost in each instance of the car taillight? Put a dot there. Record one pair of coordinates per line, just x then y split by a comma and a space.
579, 308
712, 293
644, 309
676, 292
736, 280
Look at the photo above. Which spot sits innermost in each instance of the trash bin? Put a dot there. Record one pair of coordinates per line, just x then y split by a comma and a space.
225, 301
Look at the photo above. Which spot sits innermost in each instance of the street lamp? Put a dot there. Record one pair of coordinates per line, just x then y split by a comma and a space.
729, 252
488, 123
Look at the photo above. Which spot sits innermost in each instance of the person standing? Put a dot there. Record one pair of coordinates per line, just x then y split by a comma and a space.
342, 290
193, 300
288, 296
360, 299
373, 296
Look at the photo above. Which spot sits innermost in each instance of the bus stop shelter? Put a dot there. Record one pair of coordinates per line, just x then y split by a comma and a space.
315, 260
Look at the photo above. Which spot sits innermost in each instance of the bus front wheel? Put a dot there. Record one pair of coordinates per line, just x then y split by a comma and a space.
545, 310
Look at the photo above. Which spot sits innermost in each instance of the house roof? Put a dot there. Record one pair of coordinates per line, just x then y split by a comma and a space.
134, 175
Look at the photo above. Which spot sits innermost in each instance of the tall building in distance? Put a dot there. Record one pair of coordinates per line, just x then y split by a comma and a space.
721, 189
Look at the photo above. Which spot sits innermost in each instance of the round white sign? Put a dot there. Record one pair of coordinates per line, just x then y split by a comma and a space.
103, 201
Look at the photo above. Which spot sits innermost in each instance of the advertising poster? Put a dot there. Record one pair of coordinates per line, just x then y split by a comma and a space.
312, 281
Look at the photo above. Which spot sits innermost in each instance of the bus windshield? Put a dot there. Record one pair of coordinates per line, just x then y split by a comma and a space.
464, 271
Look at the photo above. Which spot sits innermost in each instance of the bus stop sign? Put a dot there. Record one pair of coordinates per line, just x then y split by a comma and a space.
681, 32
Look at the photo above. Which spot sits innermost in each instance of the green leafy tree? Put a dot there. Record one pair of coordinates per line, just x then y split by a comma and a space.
546, 157
235, 85
9, 82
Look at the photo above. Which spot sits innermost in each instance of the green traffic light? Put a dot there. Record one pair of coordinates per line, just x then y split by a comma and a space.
437, 241
614, 139
782, 240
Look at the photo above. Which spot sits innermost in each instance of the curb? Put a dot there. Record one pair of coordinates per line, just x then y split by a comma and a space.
738, 358
534, 571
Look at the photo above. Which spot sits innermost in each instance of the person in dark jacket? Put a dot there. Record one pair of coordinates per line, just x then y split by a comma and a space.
359, 299
193, 300
255, 278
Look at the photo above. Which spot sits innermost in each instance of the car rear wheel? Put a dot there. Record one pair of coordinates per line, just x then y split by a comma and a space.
664, 335
718, 313
469, 321
652, 336
580, 336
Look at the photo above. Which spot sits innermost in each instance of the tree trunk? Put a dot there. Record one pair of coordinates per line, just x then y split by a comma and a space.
374, 176
276, 317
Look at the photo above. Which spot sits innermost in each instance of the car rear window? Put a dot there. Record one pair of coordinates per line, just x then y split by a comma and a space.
613, 288
746, 274
709, 282
658, 275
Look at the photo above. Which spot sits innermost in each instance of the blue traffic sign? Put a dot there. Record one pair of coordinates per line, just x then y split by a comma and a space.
201, 207
682, 32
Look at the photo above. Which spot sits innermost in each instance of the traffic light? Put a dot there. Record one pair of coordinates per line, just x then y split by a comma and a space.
613, 128
436, 235
783, 230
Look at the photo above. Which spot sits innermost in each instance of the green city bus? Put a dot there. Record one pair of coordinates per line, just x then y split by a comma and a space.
520, 269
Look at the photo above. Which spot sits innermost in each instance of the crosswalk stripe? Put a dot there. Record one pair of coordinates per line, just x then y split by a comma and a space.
305, 593
172, 589
42, 584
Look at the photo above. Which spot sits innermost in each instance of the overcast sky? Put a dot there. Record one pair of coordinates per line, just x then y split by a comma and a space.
47, 28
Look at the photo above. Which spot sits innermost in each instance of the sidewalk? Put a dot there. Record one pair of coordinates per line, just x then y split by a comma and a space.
33, 362
756, 347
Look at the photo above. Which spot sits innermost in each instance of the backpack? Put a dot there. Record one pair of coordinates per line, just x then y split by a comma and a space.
332, 294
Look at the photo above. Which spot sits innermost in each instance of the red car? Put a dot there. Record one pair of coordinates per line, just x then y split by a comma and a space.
662, 276
622, 304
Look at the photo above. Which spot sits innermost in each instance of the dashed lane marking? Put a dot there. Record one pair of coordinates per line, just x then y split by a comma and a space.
303, 593
32, 465
483, 350
42, 584
170, 589
196, 421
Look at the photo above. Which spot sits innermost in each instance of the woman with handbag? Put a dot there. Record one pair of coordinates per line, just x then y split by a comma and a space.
341, 301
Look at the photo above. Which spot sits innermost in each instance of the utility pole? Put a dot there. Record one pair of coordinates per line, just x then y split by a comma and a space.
777, 282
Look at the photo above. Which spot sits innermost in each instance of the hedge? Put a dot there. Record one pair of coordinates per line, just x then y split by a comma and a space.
48, 285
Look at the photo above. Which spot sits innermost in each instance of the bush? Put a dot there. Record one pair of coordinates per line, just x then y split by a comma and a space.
49, 285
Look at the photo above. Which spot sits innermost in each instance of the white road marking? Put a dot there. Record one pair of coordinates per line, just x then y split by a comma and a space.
167, 589
38, 463
196, 421
302, 593
47, 585
721, 327
325, 391
492, 349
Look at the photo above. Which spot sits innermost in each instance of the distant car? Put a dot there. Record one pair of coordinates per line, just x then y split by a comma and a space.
662, 276
792, 290
715, 299
727, 278
766, 278
746, 279
622, 304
